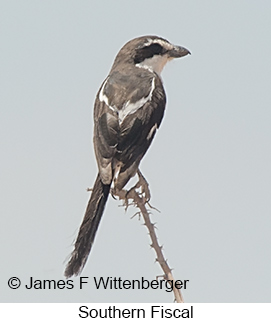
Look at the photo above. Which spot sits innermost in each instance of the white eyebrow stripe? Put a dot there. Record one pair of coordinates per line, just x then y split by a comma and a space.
161, 42
129, 108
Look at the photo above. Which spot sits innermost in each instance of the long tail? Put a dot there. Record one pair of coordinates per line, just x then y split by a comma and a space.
88, 228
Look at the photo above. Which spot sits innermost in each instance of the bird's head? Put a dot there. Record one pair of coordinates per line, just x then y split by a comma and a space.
149, 52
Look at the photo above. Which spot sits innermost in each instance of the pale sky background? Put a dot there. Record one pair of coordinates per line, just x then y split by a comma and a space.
208, 167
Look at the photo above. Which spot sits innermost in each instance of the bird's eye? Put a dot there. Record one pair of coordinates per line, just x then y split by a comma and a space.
148, 52
156, 49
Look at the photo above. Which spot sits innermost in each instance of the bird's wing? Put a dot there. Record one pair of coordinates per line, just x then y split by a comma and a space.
123, 132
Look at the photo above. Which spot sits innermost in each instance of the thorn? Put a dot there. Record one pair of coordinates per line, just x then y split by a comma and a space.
89, 189
137, 213
152, 207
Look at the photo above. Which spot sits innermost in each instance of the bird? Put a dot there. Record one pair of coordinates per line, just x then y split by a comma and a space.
128, 111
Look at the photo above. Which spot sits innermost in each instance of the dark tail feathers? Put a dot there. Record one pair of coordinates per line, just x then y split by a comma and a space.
88, 228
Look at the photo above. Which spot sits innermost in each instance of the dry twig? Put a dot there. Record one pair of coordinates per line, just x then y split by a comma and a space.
140, 201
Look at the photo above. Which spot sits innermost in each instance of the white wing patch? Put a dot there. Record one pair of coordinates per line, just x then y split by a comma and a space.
127, 108
130, 108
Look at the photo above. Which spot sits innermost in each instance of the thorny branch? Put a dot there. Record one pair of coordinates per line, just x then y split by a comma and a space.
140, 201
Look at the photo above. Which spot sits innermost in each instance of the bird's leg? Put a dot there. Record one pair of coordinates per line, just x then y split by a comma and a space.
144, 185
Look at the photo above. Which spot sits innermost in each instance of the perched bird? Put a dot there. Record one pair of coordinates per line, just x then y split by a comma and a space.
128, 110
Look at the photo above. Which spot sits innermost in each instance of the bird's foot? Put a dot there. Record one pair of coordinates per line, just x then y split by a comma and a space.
141, 188
143, 185
123, 195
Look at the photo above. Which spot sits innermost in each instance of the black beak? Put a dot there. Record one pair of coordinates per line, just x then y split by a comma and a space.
178, 51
